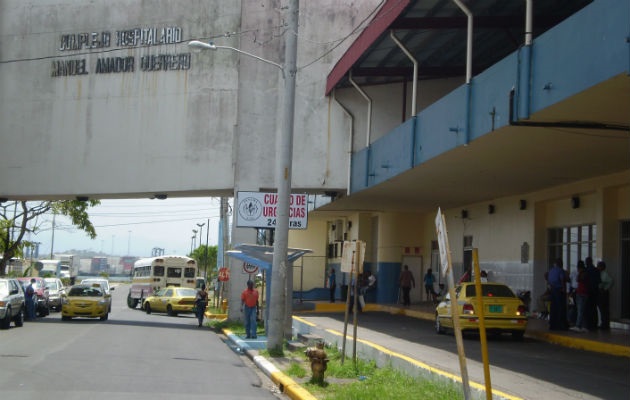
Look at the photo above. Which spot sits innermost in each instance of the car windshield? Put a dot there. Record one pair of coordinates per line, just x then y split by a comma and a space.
186, 292
101, 282
52, 285
85, 291
490, 291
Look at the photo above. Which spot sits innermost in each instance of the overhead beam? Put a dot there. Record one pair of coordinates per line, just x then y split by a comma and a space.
480, 22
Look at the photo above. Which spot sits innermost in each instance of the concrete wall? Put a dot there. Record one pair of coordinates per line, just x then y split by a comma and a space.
207, 125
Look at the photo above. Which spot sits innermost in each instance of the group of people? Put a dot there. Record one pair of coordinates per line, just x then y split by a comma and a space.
249, 305
581, 299
368, 282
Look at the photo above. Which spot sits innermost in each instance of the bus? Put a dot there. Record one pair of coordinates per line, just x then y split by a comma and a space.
151, 274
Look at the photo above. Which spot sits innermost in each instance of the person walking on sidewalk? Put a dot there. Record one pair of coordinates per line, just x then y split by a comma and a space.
331, 283
249, 301
581, 295
593, 279
557, 284
603, 299
201, 301
406, 281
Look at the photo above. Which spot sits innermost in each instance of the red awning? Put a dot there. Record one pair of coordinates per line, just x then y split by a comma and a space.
383, 19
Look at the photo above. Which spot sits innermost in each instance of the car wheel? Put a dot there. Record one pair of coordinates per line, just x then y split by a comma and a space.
147, 308
65, 318
105, 317
438, 326
170, 312
6, 321
19, 318
131, 302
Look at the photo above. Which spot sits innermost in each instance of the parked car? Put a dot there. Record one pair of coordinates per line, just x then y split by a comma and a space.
171, 300
101, 281
55, 291
503, 311
86, 300
12, 306
42, 307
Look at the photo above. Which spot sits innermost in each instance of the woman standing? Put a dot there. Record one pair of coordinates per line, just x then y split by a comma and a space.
201, 301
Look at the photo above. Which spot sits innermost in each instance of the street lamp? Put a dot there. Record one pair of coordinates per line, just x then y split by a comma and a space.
284, 159
201, 233
199, 45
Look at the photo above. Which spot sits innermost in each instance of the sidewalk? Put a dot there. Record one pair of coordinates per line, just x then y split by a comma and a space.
387, 349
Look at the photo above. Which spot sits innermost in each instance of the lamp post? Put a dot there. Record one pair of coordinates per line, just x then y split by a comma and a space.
201, 233
277, 328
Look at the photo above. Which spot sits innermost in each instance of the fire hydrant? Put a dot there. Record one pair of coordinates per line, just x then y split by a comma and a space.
224, 305
319, 362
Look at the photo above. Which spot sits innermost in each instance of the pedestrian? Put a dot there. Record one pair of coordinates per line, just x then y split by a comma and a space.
557, 284
429, 281
581, 296
353, 282
331, 283
406, 282
368, 282
249, 302
201, 301
603, 296
593, 278
483, 276
29, 300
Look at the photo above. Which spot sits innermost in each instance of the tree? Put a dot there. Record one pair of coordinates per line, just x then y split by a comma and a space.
210, 262
17, 218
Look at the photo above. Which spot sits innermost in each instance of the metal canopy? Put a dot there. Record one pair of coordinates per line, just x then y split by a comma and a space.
434, 31
262, 256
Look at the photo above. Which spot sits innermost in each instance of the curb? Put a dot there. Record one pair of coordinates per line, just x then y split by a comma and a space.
286, 385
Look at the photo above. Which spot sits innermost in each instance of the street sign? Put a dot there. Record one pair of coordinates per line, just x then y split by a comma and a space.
224, 274
442, 236
259, 210
249, 268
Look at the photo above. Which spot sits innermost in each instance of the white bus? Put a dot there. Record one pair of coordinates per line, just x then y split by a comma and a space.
151, 274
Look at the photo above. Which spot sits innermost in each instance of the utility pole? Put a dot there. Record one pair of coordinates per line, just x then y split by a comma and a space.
280, 286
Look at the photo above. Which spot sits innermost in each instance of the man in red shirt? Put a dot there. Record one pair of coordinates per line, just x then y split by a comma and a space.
249, 300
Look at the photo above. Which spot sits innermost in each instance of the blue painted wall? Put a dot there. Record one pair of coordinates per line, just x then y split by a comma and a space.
588, 48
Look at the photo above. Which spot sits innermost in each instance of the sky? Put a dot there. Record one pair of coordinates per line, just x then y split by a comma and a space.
135, 227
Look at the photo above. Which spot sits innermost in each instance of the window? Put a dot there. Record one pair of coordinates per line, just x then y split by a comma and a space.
571, 244
174, 273
490, 291
158, 270
190, 272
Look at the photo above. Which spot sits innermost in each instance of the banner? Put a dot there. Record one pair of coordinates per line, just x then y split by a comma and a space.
259, 210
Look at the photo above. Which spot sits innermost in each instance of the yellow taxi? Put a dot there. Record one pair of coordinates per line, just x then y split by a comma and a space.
171, 300
86, 300
503, 311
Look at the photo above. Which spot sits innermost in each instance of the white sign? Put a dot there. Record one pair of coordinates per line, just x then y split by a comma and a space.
249, 268
440, 228
259, 210
353, 255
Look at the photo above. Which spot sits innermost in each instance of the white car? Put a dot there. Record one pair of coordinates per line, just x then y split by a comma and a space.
55, 291
101, 281
11, 303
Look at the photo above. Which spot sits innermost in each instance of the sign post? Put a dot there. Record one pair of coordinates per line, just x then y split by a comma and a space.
445, 260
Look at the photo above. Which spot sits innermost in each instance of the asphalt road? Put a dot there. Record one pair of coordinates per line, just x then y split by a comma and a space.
574, 373
131, 356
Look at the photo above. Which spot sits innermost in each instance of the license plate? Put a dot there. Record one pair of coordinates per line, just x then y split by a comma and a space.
495, 309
